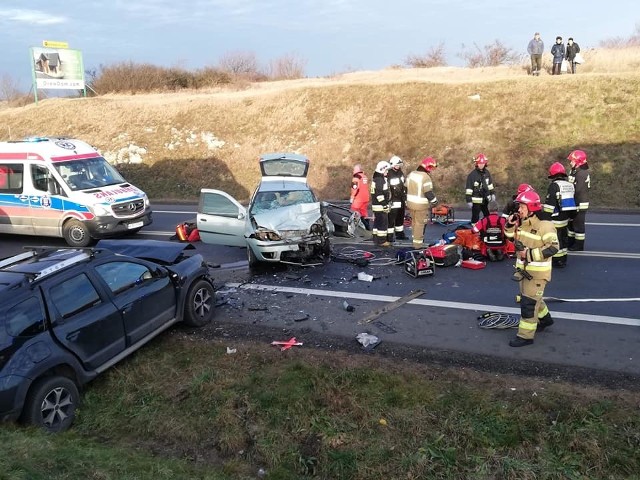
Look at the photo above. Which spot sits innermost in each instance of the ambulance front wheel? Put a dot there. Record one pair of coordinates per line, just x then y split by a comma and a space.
76, 233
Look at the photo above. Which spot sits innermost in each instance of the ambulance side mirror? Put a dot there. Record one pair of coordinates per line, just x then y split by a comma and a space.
53, 187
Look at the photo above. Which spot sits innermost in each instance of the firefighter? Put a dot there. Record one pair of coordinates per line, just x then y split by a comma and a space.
512, 207
380, 197
360, 196
491, 231
559, 207
479, 189
395, 176
420, 196
579, 176
536, 243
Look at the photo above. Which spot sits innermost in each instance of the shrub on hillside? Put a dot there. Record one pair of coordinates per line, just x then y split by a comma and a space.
242, 65
623, 42
287, 67
491, 55
143, 77
435, 57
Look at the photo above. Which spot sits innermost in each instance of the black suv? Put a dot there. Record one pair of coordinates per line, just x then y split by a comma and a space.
68, 314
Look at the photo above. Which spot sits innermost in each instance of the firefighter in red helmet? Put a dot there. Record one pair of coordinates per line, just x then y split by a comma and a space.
479, 188
360, 196
536, 243
579, 176
512, 207
559, 207
420, 197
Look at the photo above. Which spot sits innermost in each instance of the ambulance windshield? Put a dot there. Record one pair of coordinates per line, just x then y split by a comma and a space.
88, 173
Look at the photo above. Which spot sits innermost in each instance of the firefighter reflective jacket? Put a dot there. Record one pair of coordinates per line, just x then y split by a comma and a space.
479, 186
582, 182
395, 177
420, 190
541, 241
559, 205
360, 189
380, 194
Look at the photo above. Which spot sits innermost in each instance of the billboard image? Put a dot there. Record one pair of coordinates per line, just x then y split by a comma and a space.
57, 68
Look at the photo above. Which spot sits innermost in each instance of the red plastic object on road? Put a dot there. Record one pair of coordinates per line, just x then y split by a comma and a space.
286, 344
473, 264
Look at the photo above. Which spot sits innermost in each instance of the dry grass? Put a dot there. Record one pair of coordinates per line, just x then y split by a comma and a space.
522, 123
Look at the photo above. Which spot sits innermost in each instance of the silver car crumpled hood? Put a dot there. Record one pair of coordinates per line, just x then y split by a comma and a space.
298, 218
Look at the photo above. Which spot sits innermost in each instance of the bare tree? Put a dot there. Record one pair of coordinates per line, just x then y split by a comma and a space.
622, 42
435, 57
240, 64
287, 67
490, 55
9, 89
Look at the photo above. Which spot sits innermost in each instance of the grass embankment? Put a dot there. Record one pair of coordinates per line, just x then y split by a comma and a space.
183, 408
523, 124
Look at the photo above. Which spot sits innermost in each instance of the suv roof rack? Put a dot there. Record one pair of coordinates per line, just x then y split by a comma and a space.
47, 253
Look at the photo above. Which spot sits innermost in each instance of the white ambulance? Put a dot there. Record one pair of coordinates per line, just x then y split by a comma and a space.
60, 187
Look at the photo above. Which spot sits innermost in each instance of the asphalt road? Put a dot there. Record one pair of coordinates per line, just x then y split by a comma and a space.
599, 331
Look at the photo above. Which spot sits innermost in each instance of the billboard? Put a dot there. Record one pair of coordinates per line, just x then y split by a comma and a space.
59, 68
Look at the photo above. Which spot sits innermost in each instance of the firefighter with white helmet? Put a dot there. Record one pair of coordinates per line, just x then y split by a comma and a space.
360, 196
579, 176
395, 176
559, 207
380, 198
420, 197
479, 188
536, 243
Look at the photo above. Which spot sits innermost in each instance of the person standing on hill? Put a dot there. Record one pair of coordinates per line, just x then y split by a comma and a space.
572, 49
360, 196
558, 56
479, 189
559, 207
535, 50
380, 198
420, 197
395, 176
579, 176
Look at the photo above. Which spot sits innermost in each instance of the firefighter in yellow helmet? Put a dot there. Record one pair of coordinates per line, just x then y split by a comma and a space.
536, 243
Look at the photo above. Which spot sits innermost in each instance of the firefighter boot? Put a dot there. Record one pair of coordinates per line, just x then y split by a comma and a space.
544, 322
578, 246
491, 255
520, 342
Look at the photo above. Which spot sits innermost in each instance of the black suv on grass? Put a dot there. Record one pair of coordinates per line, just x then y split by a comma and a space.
68, 314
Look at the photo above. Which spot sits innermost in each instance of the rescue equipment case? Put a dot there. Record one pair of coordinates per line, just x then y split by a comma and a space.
442, 214
418, 264
444, 255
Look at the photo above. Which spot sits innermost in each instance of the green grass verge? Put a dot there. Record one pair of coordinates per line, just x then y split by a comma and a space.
183, 408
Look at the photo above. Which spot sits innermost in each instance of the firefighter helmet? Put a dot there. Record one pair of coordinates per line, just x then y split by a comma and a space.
480, 160
396, 161
577, 158
524, 187
382, 166
357, 168
428, 163
556, 168
531, 199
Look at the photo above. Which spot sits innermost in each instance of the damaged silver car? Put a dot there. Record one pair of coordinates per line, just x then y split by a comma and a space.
284, 221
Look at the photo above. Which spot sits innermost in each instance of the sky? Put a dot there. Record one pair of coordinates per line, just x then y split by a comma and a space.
329, 36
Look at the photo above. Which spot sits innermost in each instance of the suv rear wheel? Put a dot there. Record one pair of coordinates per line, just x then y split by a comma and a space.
52, 403
200, 304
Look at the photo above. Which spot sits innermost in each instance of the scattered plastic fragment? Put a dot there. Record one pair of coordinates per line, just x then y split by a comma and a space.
347, 307
231, 351
365, 277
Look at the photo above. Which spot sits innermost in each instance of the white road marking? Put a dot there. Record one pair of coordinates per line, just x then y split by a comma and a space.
432, 303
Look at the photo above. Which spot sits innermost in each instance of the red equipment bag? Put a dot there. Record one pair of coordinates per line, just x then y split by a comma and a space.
187, 232
444, 255
473, 264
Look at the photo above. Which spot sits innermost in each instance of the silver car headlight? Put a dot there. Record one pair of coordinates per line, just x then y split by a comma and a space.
267, 236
